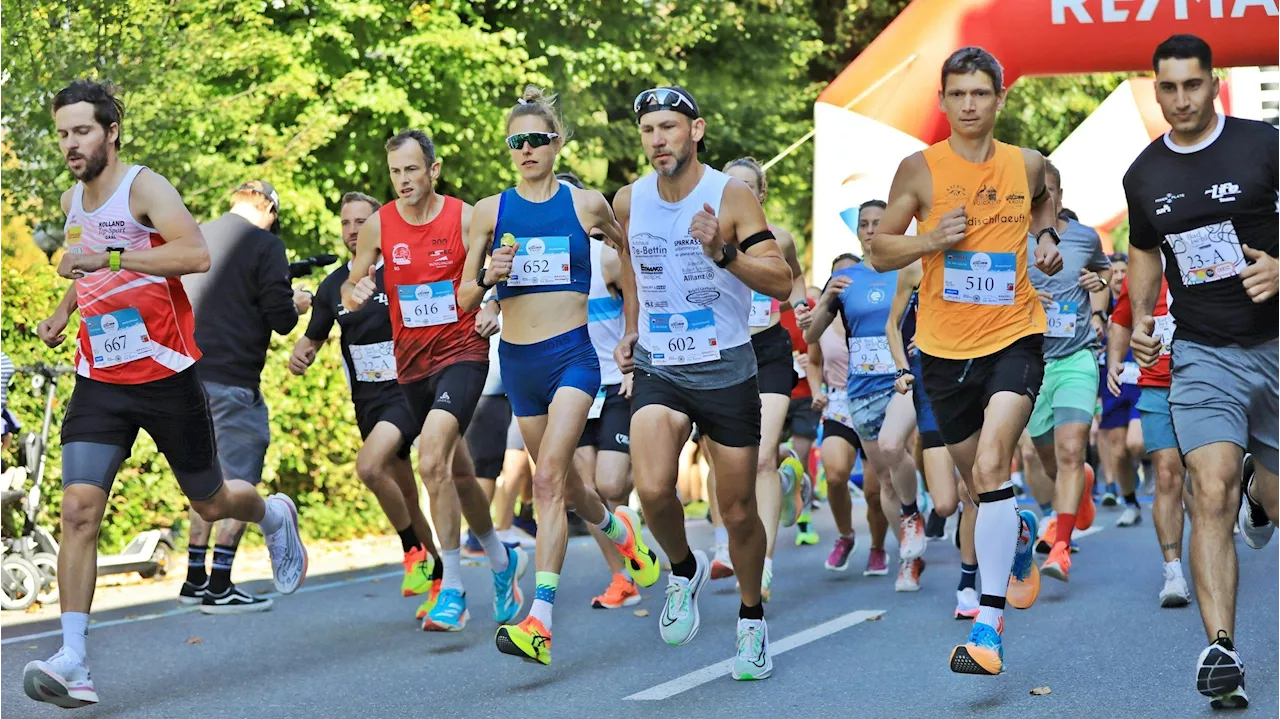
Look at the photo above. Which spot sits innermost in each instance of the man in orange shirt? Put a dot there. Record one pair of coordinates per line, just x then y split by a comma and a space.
980, 326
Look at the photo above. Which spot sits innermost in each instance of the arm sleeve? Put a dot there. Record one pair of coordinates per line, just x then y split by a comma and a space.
1142, 234
275, 295
322, 317
1123, 312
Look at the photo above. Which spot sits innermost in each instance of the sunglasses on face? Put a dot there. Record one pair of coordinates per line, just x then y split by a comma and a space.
535, 139
663, 98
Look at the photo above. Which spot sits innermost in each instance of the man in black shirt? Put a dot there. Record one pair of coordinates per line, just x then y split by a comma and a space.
1205, 196
382, 414
238, 303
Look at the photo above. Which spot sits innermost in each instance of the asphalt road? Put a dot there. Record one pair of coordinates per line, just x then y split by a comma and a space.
347, 645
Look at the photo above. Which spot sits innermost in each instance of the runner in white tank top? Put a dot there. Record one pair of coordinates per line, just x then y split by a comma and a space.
699, 245
129, 239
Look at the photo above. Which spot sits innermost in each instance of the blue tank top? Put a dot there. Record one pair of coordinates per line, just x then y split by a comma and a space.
864, 307
554, 254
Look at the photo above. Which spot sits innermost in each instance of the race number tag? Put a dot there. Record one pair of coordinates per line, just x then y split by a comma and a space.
979, 278
540, 261
1165, 326
870, 356
1062, 320
1129, 373
800, 363
374, 362
597, 406
118, 337
683, 338
428, 305
1207, 254
761, 310
838, 407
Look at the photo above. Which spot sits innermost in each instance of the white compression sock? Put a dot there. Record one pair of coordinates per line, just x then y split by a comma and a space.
452, 579
495, 550
995, 538
74, 627
274, 518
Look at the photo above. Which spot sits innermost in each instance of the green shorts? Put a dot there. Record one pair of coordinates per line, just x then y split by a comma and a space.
1069, 394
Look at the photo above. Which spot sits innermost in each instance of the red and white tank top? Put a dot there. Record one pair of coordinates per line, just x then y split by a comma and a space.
134, 327
422, 270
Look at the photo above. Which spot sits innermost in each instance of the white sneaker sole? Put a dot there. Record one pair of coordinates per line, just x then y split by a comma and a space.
254, 608
1174, 600
43, 685
630, 601
190, 601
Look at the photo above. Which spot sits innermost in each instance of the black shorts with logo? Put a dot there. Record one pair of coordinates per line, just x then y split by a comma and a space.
728, 416
775, 370
959, 390
388, 405
455, 389
611, 431
487, 435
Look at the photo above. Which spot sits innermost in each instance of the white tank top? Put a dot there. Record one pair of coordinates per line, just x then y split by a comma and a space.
604, 319
674, 275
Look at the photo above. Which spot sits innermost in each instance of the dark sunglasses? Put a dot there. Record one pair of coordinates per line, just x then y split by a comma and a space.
535, 139
664, 99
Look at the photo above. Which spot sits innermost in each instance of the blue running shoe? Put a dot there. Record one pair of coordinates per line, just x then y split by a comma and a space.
449, 614
1024, 575
507, 598
983, 654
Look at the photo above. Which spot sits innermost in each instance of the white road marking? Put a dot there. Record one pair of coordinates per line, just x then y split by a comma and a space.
697, 678
187, 610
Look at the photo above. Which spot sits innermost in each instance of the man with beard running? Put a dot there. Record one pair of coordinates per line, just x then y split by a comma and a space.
702, 245
441, 363
129, 239
386, 425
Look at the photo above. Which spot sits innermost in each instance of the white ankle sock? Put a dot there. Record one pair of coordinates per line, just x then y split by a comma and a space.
452, 579
274, 518
495, 550
74, 627
541, 610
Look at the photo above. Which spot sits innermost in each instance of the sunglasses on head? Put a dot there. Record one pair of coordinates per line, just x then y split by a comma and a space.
535, 139
662, 98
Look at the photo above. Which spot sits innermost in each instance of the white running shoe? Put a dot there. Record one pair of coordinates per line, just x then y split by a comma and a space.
909, 575
753, 660
967, 603
721, 564
288, 555
1129, 517
913, 540
63, 681
679, 620
1252, 521
1175, 592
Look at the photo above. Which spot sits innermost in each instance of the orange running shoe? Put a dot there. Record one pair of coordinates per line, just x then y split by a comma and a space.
1048, 535
622, 592
1087, 510
1058, 565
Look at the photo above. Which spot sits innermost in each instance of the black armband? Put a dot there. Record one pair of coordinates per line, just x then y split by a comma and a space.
1044, 190
755, 239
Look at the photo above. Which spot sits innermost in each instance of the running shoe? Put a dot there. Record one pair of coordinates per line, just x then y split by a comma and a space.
1024, 577
62, 681
753, 660
507, 598
528, 640
935, 527
433, 595
233, 600
766, 581
471, 548
808, 536
1175, 593
967, 603
622, 592
288, 554
1132, 515
192, 593
838, 560
418, 565
1047, 536
642, 562
722, 565
515, 536
983, 654
1110, 496
1252, 520
909, 575
696, 509
1220, 674
449, 613
877, 563
820, 489
1087, 510
526, 523
1058, 565
913, 541
679, 620
794, 499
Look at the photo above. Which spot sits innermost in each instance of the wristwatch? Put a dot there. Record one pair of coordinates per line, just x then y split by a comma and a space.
730, 254
1101, 315
901, 373
480, 279
1052, 232
113, 259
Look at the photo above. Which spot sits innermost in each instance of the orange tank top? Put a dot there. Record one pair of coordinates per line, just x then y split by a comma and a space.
975, 299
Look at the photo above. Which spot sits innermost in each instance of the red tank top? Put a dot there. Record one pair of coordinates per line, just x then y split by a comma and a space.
134, 327
423, 268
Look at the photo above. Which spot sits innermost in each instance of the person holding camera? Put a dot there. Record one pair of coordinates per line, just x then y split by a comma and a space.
243, 298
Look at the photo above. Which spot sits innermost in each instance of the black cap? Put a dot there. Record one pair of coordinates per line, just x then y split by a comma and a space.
264, 188
690, 110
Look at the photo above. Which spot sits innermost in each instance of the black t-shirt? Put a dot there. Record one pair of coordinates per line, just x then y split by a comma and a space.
1198, 205
366, 336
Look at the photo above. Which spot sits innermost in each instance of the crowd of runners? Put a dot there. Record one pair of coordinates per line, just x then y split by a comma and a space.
980, 342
